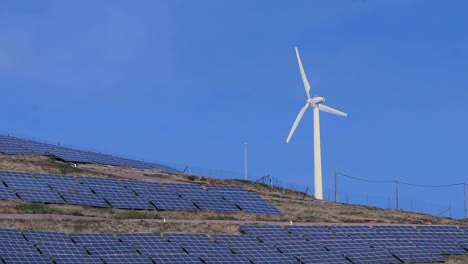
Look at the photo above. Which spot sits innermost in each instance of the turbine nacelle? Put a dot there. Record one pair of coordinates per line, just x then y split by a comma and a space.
316, 100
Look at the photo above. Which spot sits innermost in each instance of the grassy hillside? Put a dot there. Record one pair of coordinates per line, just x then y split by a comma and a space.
296, 207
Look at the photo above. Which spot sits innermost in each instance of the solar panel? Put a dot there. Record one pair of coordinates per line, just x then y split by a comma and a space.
10, 234
141, 185
13, 149
234, 239
15, 173
7, 193
176, 259
188, 238
94, 238
127, 201
36, 236
94, 181
39, 195
416, 254
76, 259
328, 257
70, 155
305, 230
136, 237
25, 258
183, 186
54, 249
395, 229
390, 243
368, 255
269, 233
259, 208
351, 229
326, 236
225, 188
438, 229
84, 198
224, 258
124, 259
155, 247
170, 202
23, 182
117, 248
17, 246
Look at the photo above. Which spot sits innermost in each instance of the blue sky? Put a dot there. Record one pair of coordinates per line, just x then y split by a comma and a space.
188, 82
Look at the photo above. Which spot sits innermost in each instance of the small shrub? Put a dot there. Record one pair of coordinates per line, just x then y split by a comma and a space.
203, 179
35, 208
191, 178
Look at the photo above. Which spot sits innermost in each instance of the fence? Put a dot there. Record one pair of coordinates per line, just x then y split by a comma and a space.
395, 194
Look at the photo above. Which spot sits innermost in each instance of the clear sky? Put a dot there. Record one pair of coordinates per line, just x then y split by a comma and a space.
188, 82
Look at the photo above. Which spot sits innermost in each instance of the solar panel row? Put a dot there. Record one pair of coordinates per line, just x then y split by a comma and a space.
129, 194
260, 245
17, 146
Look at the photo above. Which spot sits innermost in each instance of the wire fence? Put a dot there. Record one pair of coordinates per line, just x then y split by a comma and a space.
394, 194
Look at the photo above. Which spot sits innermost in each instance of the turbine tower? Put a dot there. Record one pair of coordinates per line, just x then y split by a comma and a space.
317, 104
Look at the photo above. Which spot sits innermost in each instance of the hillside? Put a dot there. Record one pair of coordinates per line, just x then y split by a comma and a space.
296, 207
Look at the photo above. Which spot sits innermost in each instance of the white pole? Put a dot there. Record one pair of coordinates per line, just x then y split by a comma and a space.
245, 161
317, 156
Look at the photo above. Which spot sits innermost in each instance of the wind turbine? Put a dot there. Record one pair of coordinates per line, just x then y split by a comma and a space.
317, 104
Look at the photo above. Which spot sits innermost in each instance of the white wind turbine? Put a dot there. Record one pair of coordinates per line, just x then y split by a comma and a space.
316, 103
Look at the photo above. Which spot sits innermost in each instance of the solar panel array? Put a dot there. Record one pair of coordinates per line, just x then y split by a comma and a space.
17, 146
259, 244
127, 194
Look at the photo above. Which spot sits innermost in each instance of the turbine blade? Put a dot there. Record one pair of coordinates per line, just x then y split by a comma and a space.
296, 122
304, 77
331, 110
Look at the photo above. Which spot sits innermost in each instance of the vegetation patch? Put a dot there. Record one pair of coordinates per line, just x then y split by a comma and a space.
36, 208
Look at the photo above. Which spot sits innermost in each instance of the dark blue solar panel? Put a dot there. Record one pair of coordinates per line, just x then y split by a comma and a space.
188, 238
70, 155
176, 259
36, 236
117, 248
126, 259
41, 196
17, 246
7, 193
416, 254
84, 198
94, 181
15, 173
128, 201
306, 230
26, 258
224, 258
11, 234
136, 237
13, 149
156, 247
23, 182
94, 238
77, 259
56, 249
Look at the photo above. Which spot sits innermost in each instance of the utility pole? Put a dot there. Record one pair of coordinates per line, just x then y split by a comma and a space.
245, 161
336, 184
464, 197
396, 189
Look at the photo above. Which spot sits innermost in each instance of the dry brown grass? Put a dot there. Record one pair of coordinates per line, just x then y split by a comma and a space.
117, 226
456, 259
